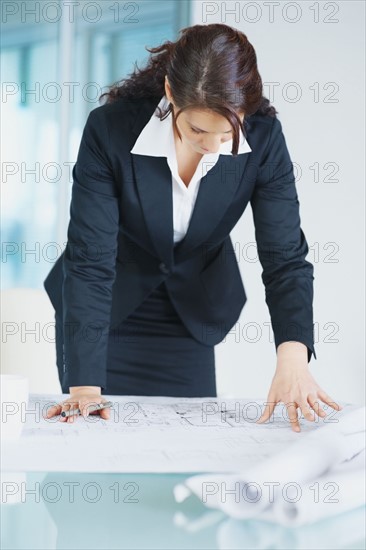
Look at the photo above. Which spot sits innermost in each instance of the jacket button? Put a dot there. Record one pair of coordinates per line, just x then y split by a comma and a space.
164, 268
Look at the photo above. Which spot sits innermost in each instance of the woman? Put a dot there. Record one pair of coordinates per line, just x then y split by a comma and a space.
149, 283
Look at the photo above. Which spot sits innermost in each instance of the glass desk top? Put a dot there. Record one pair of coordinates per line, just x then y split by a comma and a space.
75, 511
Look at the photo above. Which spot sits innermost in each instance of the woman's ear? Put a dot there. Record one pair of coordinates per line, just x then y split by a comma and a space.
167, 89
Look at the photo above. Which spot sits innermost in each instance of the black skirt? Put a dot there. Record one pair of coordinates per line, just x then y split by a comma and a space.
153, 353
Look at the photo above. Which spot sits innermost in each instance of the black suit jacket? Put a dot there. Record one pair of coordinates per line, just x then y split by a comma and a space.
120, 240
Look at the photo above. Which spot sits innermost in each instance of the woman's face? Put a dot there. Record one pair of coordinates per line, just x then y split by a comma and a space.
202, 131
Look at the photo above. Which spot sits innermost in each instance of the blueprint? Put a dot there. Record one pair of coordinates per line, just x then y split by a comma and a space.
155, 434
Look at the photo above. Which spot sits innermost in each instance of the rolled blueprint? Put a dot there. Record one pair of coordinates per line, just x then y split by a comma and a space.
268, 486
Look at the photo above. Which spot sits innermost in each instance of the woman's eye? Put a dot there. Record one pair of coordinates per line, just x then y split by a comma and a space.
195, 131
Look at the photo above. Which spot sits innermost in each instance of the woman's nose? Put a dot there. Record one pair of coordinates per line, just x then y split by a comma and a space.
212, 146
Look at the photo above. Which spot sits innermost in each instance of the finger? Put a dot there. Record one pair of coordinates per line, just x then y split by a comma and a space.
268, 410
316, 406
98, 411
328, 400
292, 415
105, 413
73, 417
53, 411
86, 404
67, 405
64, 408
83, 406
305, 409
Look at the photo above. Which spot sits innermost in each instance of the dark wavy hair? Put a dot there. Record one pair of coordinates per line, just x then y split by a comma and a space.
210, 67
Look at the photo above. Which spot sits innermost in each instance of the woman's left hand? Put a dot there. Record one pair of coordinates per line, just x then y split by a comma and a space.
294, 385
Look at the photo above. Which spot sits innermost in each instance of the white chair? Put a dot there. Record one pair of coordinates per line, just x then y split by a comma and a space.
28, 338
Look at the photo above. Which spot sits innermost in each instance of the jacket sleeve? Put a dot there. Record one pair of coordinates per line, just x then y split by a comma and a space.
282, 247
89, 258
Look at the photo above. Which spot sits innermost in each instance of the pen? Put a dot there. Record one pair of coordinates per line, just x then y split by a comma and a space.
93, 408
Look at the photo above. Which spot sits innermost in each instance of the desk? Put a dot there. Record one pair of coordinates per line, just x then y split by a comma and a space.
77, 511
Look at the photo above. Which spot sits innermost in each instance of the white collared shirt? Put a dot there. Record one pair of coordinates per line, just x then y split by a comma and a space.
157, 140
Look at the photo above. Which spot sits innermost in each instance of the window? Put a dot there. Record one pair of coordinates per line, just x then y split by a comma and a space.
55, 65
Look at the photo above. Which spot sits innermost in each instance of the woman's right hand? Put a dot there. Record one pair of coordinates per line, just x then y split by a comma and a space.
80, 398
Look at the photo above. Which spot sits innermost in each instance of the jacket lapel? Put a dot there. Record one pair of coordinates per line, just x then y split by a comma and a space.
153, 179
215, 194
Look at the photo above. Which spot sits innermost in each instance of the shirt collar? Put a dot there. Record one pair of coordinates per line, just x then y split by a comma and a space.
157, 138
